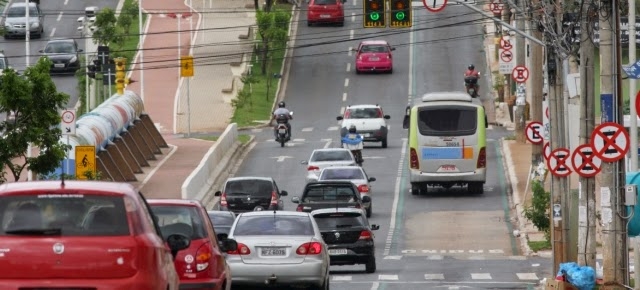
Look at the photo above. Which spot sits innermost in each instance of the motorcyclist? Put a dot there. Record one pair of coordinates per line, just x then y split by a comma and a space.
471, 77
281, 110
356, 140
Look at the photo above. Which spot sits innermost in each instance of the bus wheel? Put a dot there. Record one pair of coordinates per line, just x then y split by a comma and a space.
415, 189
475, 188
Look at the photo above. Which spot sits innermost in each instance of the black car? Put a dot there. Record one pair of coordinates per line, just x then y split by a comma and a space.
64, 55
243, 194
221, 220
329, 194
348, 236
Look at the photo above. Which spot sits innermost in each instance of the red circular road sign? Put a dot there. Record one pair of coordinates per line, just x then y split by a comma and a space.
546, 151
520, 74
546, 112
68, 117
496, 7
610, 141
585, 162
505, 43
506, 55
557, 162
434, 5
533, 132
638, 102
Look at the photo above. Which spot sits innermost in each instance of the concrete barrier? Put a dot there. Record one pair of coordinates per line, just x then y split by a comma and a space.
199, 183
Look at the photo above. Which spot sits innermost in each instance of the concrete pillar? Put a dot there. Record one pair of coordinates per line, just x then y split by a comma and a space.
157, 136
111, 166
121, 162
144, 146
105, 174
127, 154
146, 133
135, 149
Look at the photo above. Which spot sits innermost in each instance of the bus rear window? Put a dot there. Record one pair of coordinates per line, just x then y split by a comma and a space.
447, 120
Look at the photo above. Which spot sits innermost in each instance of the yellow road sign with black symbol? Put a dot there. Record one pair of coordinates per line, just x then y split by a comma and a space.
186, 66
85, 161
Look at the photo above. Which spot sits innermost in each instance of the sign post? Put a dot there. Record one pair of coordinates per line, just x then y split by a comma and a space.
558, 162
85, 161
68, 127
187, 71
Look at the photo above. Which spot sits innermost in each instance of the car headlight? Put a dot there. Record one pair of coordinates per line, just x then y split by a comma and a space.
35, 25
73, 59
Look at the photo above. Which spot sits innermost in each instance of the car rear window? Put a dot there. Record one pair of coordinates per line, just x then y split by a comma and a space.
20, 11
249, 187
325, 2
221, 219
374, 49
277, 225
179, 220
341, 174
363, 113
329, 221
337, 155
447, 120
63, 215
329, 193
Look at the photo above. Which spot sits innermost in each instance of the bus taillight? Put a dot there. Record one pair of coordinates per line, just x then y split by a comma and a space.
482, 158
413, 159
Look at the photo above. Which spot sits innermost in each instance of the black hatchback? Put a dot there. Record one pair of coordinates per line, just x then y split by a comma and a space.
243, 194
348, 235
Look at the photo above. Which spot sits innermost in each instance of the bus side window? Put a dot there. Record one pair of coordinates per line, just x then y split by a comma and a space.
486, 121
405, 121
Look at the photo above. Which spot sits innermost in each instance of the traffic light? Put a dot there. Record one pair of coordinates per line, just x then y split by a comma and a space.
120, 74
91, 71
400, 14
374, 16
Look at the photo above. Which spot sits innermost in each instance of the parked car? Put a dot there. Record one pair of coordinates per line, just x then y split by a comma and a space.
64, 55
70, 234
348, 235
325, 194
369, 120
242, 194
325, 12
278, 248
221, 220
321, 158
374, 56
202, 265
357, 176
15, 21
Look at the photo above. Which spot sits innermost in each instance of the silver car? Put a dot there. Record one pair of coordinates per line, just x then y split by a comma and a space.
356, 175
278, 248
15, 20
323, 158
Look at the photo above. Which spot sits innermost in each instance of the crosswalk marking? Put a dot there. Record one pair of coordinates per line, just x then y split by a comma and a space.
341, 278
480, 276
435, 257
388, 277
527, 276
393, 257
334, 128
309, 129
434, 276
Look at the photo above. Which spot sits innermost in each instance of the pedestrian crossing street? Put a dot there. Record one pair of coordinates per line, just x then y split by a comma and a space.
448, 277
313, 129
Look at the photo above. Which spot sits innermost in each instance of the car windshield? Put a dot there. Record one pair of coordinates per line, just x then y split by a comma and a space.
253, 187
221, 219
19, 11
276, 225
60, 47
174, 219
332, 221
325, 2
329, 193
363, 113
374, 48
336, 155
63, 215
341, 174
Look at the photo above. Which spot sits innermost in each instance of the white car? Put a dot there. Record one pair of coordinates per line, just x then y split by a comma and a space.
369, 120
356, 175
322, 158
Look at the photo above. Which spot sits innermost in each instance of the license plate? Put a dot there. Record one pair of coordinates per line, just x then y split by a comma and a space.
282, 131
338, 252
59, 65
273, 252
374, 58
448, 168
325, 16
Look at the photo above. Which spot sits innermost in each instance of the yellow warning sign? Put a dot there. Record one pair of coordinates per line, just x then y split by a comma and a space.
85, 161
186, 66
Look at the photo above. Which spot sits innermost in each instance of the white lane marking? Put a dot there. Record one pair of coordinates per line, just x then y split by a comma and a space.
66, 2
527, 276
342, 111
344, 97
351, 34
435, 257
298, 140
396, 195
326, 145
393, 257
59, 16
434, 276
346, 82
153, 171
388, 127
480, 276
341, 278
53, 31
334, 128
388, 277
309, 129
353, 17
375, 285
350, 50
348, 67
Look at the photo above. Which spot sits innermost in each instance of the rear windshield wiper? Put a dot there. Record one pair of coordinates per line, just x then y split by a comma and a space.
344, 226
35, 232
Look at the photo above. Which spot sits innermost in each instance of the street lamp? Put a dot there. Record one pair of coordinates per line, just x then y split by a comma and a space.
179, 17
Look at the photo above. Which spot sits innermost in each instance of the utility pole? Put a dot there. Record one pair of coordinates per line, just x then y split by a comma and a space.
633, 126
587, 186
506, 17
519, 119
536, 79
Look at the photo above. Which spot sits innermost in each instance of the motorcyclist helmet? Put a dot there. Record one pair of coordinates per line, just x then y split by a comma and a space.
471, 67
352, 129
281, 105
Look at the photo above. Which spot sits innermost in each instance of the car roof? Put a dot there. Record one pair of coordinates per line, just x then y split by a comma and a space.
173, 201
274, 212
374, 42
330, 149
21, 4
61, 40
343, 167
249, 178
337, 210
364, 106
40, 187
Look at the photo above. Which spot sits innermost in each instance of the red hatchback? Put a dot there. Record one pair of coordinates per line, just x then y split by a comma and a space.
86, 235
202, 265
326, 12
374, 56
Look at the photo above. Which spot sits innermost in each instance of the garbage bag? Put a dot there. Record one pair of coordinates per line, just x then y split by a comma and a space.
582, 277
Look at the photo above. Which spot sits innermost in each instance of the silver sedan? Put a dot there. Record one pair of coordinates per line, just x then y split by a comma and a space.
356, 175
323, 158
278, 248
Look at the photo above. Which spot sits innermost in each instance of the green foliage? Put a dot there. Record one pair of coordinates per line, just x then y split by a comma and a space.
106, 28
88, 175
244, 95
538, 212
128, 13
82, 82
273, 29
36, 104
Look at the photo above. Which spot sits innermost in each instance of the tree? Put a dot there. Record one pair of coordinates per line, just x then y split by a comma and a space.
36, 104
106, 28
272, 31
128, 13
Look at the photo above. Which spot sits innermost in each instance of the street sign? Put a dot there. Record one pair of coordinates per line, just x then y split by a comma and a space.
533, 132
186, 66
610, 141
505, 43
68, 122
546, 123
434, 5
506, 62
520, 74
546, 151
633, 71
557, 162
585, 162
496, 7
85, 161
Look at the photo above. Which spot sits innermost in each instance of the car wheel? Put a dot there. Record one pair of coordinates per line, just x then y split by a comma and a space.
384, 143
475, 188
370, 267
370, 210
309, 23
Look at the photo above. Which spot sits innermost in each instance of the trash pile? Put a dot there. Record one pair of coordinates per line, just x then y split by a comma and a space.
581, 277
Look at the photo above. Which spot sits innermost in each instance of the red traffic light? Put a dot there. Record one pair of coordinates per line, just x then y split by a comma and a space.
374, 5
399, 5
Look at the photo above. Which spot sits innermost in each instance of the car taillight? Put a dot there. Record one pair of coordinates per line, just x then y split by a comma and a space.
313, 168
299, 208
365, 235
413, 159
274, 198
363, 188
203, 256
223, 199
242, 250
388, 56
482, 158
357, 206
312, 248
360, 57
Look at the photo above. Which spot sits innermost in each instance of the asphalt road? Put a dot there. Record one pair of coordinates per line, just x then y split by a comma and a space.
60, 22
446, 240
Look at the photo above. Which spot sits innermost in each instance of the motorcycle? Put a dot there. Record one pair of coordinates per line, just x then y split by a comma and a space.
471, 84
282, 131
355, 144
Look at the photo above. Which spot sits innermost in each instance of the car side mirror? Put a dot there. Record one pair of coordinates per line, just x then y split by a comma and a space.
80, 50
393, 48
283, 193
222, 236
372, 179
339, 118
228, 245
375, 227
405, 122
304, 162
177, 243
387, 117
295, 199
217, 193
366, 199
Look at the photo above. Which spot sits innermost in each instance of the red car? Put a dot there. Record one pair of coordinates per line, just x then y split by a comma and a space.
374, 56
76, 234
202, 265
326, 12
